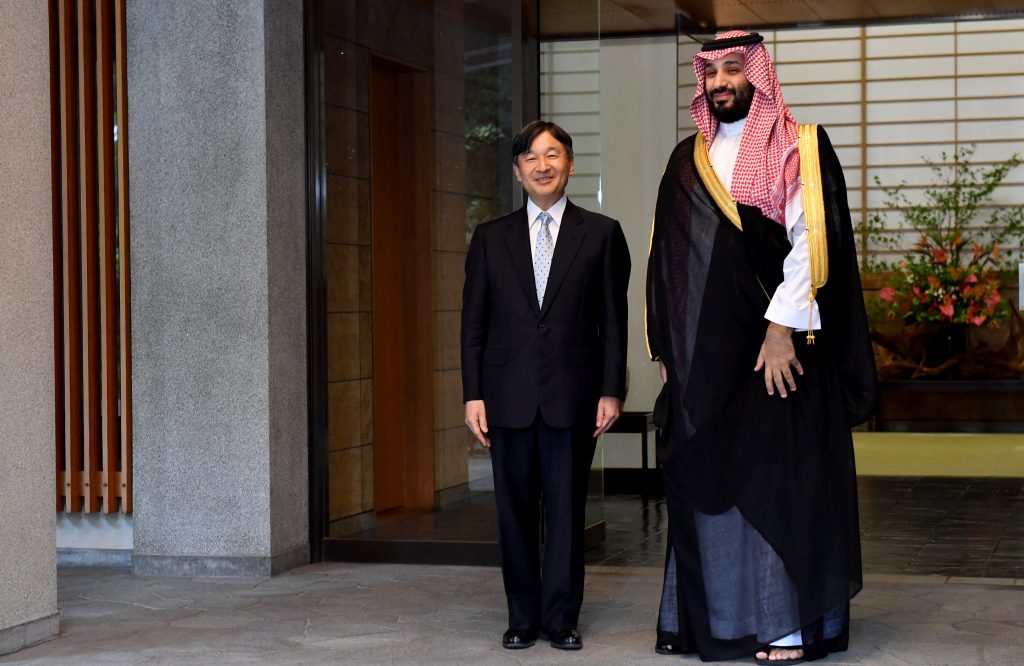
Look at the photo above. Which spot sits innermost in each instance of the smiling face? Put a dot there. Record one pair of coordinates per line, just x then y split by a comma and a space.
544, 170
727, 89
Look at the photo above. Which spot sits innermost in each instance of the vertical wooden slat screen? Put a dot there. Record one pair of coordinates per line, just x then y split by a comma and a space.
71, 333
58, 273
124, 283
89, 246
107, 257
92, 313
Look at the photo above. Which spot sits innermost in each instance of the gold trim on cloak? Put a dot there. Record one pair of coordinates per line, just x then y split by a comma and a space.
814, 216
711, 181
647, 335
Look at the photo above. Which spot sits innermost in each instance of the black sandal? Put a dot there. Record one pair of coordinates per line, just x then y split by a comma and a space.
767, 649
668, 643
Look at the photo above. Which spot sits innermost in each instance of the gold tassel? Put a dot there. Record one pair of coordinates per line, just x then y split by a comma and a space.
814, 216
810, 316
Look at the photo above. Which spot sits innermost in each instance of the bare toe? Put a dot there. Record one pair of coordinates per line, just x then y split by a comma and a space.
782, 654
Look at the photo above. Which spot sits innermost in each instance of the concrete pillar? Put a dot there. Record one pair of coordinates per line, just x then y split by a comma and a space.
217, 180
28, 570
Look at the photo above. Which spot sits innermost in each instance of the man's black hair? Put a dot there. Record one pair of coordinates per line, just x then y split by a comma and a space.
522, 141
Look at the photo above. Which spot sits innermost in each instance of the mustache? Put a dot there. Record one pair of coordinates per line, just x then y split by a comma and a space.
721, 89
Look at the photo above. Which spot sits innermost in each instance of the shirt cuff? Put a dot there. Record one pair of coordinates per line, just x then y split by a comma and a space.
786, 310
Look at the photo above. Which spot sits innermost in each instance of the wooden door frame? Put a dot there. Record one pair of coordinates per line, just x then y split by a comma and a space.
401, 177
316, 272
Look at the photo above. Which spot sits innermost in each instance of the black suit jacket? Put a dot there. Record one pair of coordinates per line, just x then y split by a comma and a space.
560, 359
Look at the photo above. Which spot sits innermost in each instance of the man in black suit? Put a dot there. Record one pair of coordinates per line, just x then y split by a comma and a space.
543, 374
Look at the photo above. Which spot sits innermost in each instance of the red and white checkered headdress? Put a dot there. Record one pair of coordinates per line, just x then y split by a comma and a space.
767, 171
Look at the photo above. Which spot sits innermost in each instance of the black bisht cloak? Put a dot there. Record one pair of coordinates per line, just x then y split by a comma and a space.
786, 465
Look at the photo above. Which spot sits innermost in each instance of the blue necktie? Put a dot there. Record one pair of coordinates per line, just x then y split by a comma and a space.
542, 255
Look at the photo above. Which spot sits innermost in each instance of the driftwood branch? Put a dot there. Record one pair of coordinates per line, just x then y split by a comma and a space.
911, 354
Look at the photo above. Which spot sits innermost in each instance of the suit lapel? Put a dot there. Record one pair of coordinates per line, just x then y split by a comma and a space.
570, 235
517, 239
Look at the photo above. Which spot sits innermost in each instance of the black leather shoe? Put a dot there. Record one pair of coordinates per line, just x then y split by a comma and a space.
566, 639
517, 639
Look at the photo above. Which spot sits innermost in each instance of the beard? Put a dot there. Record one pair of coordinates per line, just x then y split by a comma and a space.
737, 108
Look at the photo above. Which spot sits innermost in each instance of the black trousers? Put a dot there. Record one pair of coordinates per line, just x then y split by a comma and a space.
553, 464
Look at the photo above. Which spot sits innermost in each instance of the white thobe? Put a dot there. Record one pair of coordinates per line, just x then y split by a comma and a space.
789, 304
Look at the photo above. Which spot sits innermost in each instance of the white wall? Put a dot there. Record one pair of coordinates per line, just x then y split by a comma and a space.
618, 101
94, 531
570, 96
637, 111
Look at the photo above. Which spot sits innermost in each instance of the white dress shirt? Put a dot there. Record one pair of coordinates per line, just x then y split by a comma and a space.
533, 212
788, 305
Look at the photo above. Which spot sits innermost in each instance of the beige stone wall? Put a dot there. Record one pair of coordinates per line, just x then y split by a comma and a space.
28, 572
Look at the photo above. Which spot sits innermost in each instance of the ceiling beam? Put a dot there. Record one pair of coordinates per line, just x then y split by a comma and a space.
608, 18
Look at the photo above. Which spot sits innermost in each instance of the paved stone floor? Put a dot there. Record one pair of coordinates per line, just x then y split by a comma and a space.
951, 526
944, 559
414, 614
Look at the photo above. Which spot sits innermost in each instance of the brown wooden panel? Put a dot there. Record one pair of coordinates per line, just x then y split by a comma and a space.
416, 232
403, 395
58, 300
70, 259
388, 204
89, 247
110, 450
124, 274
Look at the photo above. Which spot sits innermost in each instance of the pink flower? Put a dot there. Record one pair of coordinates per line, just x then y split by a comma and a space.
993, 298
978, 321
887, 294
947, 310
972, 278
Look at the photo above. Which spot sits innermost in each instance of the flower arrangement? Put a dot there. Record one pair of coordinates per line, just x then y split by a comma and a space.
934, 285
948, 281
950, 274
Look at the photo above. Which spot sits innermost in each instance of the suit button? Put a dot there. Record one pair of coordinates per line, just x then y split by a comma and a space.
542, 325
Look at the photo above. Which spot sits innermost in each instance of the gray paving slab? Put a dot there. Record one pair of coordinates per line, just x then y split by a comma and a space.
342, 613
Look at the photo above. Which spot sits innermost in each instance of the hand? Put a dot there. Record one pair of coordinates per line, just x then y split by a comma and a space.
608, 411
664, 372
476, 419
778, 358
